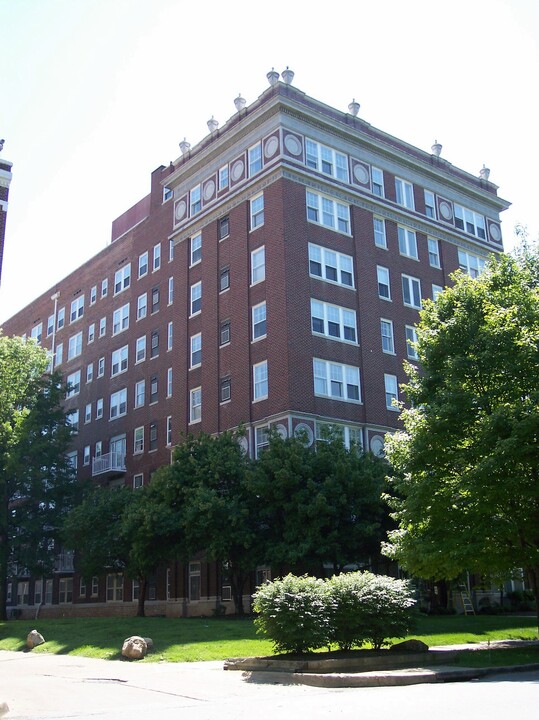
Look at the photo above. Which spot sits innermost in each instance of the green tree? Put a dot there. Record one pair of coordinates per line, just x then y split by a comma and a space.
36, 479
466, 466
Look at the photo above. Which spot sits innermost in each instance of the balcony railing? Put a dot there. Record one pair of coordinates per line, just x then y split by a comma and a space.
64, 562
113, 462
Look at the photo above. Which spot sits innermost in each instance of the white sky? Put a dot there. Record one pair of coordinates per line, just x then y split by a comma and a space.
95, 94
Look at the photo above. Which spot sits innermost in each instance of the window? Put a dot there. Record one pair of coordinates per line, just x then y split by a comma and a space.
258, 265
224, 279
73, 384
194, 581
140, 349
143, 264
155, 300
257, 211
91, 332
138, 440
390, 382
169, 430
411, 292
333, 321
195, 201
325, 160
224, 228
59, 353
101, 367
377, 182
327, 212
153, 436
86, 455
331, 266
50, 325
115, 587
102, 326
120, 319
223, 177
379, 232
386, 329
170, 290
407, 242
404, 192
411, 339
142, 306
471, 264
170, 250
98, 448
38, 592
82, 587
195, 405
167, 194
119, 361
72, 418
469, 221
72, 459
169, 335
65, 590
77, 309
75, 346
333, 380
138, 481
384, 289
122, 279
154, 344
261, 440
436, 290
140, 393
255, 159
169, 382
95, 586
89, 372
196, 350
224, 332
430, 210
196, 298
260, 380
259, 321
118, 404
88, 413
434, 252
99, 409
60, 322
196, 249
154, 387
104, 287
225, 390
37, 333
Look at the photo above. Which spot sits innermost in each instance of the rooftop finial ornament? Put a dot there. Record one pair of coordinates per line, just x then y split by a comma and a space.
273, 77
213, 124
436, 148
184, 146
239, 103
287, 75
484, 173
353, 108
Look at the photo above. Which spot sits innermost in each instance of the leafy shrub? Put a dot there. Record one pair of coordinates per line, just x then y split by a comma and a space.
293, 613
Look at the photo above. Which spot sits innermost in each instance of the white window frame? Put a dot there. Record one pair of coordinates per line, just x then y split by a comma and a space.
379, 229
61, 319
196, 298
391, 391
407, 242
326, 160
258, 321
327, 212
169, 382
388, 339
91, 333
471, 264
120, 319
260, 381
196, 351
258, 265
101, 367
404, 193
140, 393
156, 263
256, 211
195, 405
223, 177
75, 346
88, 413
170, 290
143, 264
436, 290
469, 221
59, 354
77, 309
169, 430
254, 157
140, 349
430, 204
138, 440
99, 408
195, 201
411, 291
337, 322
72, 419
118, 404
104, 287
169, 335
142, 306
119, 361
73, 384
102, 327
122, 279
335, 380
93, 294
383, 281
86, 455
434, 252
115, 587
377, 182
261, 440
411, 337
331, 266
138, 481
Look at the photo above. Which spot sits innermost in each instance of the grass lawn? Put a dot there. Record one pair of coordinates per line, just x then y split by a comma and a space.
192, 639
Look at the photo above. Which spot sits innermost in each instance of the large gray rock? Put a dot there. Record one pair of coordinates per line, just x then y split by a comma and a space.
149, 643
135, 647
3, 709
34, 639
410, 646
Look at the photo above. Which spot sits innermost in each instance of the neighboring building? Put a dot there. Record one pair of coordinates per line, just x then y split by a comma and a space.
271, 278
5, 180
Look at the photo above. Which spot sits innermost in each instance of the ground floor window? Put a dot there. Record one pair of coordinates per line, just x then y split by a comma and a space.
65, 590
194, 581
115, 587
22, 593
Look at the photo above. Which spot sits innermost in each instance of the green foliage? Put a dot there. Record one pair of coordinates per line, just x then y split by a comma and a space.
294, 613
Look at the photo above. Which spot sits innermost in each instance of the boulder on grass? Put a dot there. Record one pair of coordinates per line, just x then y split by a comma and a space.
410, 646
34, 639
135, 648
3, 709
149, 643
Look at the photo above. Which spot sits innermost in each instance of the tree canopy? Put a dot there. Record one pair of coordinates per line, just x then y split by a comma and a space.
466, 466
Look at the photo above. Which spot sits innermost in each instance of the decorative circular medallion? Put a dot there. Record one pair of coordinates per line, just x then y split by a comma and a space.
271, 147
445, 210
281, 429
377, 445
361, 174
181, 209
302, 430
495, 233
209, 190
293, 145
237, 170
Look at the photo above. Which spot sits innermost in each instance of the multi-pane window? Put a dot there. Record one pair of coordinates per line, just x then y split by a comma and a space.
119, 361
196, 350
223, 177
255, 159
196, 248
120, 319
154, 344
411, 339
195, 201
72, 418
142, 306
169, 382
257, 212
156, 257
380, 239
138, 481
167, 194
143, 264
59, 353
469, 221
224, 332
471, 264
140, 349
169, 335
50, 325
37, 333
95, 586
73, 384
325, 160
384, 289
138, 440
258, 265
104, 287
224, 279
196, 298
430, 207
224, 227
60, 322
407, 242
404, 192
91, 332
75, 346
118, 404
170, 290
327, 212
65, 590
391, 389
259, 321
261, 440
330, 265
153, 436
434, 252
77, 309
195, 405
170, 250
101, 367
377, 182
154, 389
88, 413
122, 279
411, 292
386, 330
72, 459
93, 294
86, 455
333, 321
102, 326
436, 290
225, 389
115, 587
260, 380
169, 430
337, 381
98, 411
155, 300
140, 393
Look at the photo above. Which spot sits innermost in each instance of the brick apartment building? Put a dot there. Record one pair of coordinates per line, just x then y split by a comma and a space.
271, 278
5, 180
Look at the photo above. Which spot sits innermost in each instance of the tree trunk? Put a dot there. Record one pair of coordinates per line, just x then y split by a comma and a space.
533, 579
237, 581
4, 548
143, 582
